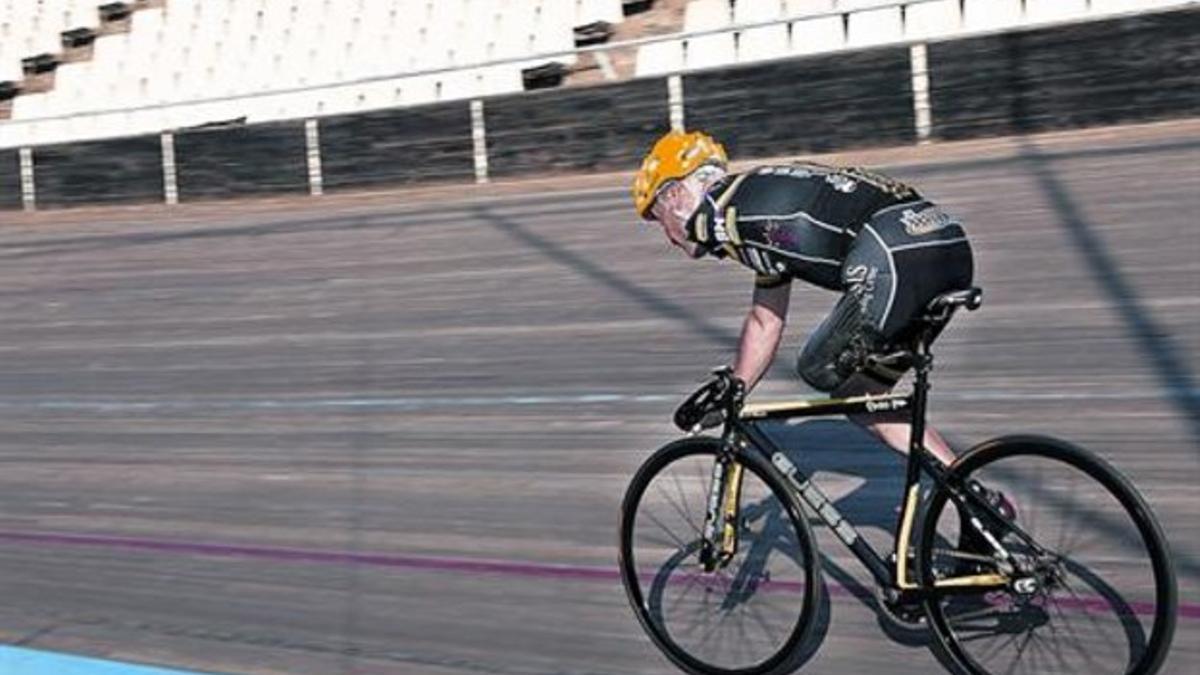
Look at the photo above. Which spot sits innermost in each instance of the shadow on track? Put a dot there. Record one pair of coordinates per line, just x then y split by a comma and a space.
1160, 351
648, 299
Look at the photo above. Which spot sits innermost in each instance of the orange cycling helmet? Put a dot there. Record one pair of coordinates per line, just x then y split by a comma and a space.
674, 156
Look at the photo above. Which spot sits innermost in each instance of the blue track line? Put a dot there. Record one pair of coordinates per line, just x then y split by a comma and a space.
22, 661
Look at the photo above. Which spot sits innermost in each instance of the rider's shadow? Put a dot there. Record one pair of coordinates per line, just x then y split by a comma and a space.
865, 481
862, 476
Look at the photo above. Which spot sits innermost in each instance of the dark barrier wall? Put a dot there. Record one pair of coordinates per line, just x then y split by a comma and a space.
230, 162
120, 170
608, 126
1135, 69
806, 105
389, 147
10, 180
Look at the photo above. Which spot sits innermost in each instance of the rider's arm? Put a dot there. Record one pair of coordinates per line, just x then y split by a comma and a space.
761, 332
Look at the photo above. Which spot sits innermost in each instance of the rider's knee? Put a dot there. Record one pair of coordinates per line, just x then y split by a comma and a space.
819, 370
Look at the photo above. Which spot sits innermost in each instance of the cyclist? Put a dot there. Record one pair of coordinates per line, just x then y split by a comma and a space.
876, 241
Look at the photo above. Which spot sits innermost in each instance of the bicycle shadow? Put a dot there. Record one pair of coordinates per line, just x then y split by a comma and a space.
865, 481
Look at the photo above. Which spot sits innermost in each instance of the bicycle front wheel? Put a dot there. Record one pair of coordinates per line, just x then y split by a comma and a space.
749, 616
1094, 592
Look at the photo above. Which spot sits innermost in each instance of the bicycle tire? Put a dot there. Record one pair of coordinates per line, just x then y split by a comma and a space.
1044, 449
789, 655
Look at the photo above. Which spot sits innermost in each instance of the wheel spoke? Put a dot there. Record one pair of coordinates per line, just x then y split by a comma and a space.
678, 542
745, 611
1077, 616
679, 511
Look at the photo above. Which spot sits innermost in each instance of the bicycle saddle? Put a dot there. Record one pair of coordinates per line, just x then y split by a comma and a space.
941, 308
971, 298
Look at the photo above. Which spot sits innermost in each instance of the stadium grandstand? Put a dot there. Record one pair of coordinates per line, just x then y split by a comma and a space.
72, 69
174, 100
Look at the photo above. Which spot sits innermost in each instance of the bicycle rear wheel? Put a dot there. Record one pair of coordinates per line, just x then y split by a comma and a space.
1099, 596
748, 617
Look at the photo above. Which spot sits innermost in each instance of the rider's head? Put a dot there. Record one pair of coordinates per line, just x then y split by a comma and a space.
671, 184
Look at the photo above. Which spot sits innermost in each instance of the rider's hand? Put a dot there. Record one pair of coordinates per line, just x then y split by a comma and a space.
706, 407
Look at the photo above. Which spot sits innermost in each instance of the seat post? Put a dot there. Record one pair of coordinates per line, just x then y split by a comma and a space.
923, 364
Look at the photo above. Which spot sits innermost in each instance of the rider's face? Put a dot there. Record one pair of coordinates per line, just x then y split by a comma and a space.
674, 207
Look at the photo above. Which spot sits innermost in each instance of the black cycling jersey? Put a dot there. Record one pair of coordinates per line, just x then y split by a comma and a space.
794, 221
871, 237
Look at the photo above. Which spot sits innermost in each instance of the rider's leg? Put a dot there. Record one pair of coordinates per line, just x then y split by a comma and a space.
893, 429
818, 365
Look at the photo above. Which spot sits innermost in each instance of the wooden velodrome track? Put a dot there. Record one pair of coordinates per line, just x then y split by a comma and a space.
391, 435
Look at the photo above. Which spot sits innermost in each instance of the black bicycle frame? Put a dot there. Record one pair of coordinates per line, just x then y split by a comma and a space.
919, 461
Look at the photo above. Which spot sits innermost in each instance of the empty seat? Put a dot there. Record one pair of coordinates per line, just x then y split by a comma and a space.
298, 105
502, 79
856, 5
706, 15
514, 31
13, 135
10, 69
29, 106
874, 26
44, 132
820, 34
418, 89
147, 23
991, 14
386, 93
140, 122
460, 84
797, 8
554, 31
659, 58
72, 81
589, 11
1055, 10
708, 51
932, 19
766, 42
755, 11
339, 100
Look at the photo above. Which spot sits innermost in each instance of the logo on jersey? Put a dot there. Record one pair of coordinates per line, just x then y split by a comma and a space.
924, 222
841, 183
789, 170
860, 280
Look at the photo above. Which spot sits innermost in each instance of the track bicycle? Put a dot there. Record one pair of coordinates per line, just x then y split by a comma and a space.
720, 565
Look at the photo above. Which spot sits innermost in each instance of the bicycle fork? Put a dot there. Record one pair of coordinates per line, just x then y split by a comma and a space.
720, 536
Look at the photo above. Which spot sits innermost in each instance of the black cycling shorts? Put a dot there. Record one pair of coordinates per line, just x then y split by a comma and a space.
903, 258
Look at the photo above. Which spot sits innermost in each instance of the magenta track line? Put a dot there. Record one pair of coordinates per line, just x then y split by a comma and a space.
511, 568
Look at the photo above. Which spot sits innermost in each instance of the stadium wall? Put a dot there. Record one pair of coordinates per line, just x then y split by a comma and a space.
10, 180
602, 127
397, 147
241, 161
1140, 68
121, 170
1137, 68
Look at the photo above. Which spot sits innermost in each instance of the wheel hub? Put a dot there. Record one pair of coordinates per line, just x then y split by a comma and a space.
1026, 586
